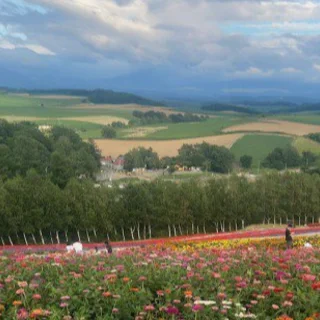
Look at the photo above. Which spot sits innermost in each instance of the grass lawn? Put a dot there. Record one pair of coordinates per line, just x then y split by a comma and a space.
305, 144
212, 126
258, 146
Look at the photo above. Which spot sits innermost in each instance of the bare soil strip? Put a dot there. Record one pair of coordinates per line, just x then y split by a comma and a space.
287, 127
164, 148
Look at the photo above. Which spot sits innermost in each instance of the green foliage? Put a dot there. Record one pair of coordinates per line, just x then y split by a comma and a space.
60, 155
308, 159
246, 161
108, 132
209, 157
282, 158
33, 204
141, 158
118, 125
314, 136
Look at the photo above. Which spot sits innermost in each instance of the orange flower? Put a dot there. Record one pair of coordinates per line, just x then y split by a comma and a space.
188, 294
17, 303
284, 317
126, 279
36, 313
107, 294
1, 307
134, 290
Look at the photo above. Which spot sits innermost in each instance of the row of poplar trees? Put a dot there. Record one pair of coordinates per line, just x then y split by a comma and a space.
35, 210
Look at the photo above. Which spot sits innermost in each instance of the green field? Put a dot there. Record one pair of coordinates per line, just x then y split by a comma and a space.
212, 126
258, 146
19, 101
85, 130
33, 106
306, 117
305, 144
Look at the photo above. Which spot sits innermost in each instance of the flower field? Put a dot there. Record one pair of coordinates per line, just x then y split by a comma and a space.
230, 279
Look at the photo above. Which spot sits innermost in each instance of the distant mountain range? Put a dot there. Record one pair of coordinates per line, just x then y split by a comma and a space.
267, 107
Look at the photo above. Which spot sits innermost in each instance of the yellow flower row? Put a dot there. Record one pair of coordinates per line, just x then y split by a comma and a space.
245, 243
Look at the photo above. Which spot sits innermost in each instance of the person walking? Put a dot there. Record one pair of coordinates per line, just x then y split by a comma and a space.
108, 246
289, 240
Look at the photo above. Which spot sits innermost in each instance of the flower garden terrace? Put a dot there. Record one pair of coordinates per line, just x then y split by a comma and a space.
232, 279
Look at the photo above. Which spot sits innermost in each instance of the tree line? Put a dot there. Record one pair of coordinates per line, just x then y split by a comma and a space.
152, 117
218, 159
221, 107
35, 210
205, 156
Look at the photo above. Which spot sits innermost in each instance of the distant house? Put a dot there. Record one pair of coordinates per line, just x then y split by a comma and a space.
118, 164
107, 162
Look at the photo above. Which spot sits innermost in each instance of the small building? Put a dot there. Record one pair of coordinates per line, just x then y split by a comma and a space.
118, 164
107, 161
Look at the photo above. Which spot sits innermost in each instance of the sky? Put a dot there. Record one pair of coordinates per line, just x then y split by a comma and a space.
165, 48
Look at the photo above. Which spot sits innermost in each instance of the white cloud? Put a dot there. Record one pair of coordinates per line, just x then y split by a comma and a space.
252, 72
4, 44
316, 67
290, 70
37, 49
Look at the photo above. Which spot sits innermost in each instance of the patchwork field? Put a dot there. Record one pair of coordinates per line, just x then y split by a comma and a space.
212, 126
140, 132
127, 107
291, 128
258, 146
307, 117
164, 148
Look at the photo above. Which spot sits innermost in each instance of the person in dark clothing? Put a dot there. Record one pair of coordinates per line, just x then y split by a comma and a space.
288, 238
108, 246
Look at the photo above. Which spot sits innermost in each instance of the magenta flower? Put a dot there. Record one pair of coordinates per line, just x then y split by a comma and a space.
172, 310
197, 308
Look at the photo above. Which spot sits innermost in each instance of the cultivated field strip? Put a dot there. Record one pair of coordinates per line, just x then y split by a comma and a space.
169, 148
287, 127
